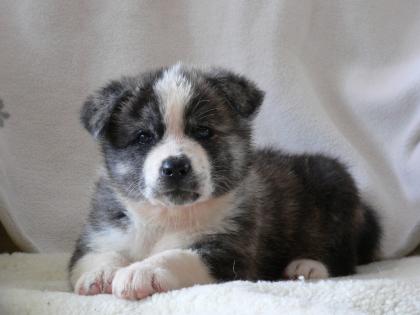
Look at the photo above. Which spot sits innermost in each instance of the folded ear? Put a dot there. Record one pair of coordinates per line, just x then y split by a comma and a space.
240, 93
98, 108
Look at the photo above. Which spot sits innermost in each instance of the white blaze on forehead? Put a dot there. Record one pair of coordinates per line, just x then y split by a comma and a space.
174, 91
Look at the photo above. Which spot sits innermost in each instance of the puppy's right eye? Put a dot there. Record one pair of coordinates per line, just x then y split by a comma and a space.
203, 133
145, 137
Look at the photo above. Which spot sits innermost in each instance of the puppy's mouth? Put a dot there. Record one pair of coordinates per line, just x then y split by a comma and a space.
180, 196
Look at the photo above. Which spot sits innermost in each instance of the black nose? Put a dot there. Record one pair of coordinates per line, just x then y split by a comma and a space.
176, 167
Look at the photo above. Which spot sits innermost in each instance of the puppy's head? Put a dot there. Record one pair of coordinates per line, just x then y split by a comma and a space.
177, 135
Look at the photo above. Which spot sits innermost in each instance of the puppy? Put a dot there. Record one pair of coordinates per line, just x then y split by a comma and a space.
185, 199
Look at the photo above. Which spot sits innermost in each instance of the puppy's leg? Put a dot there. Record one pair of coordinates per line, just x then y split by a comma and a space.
169, 270
308, 268
93, 273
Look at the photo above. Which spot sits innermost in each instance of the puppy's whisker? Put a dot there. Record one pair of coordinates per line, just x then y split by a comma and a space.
210, 110
201, 100
206, 115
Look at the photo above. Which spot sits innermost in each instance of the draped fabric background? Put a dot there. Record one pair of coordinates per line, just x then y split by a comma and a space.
342, 77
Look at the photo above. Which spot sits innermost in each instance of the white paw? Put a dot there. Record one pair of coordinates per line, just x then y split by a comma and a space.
95, 282
306, 268
142, 279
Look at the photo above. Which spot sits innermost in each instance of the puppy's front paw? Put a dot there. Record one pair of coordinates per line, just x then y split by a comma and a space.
141, 279
307, 268
95, 282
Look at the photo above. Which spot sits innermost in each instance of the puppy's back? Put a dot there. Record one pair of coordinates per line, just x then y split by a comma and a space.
310, 208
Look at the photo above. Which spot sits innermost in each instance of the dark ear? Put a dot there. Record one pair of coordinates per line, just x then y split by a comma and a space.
239, 92
98, 108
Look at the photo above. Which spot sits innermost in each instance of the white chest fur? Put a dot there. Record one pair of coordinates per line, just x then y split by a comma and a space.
145, 240
154, 229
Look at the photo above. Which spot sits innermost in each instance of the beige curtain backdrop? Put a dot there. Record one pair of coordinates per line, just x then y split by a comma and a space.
342, 77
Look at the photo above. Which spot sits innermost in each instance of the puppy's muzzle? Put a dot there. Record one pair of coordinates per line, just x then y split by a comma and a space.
178, 183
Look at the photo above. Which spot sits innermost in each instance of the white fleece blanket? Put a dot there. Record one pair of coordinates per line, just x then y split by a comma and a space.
342, 77
37, 284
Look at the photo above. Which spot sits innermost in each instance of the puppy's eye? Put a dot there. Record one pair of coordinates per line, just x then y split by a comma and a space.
145, 137
203, 133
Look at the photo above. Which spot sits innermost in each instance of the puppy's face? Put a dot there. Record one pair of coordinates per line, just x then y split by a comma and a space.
174, 136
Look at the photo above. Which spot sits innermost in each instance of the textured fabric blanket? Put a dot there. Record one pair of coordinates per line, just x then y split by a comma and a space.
342, 77
37, 284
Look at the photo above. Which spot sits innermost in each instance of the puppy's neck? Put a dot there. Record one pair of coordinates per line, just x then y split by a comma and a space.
193, 217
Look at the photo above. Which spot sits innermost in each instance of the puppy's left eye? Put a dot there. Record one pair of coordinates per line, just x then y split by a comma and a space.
145, 137
203, 133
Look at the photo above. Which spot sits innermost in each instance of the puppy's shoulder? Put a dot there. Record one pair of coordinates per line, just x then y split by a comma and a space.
270, 159
269, 162
269, 156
